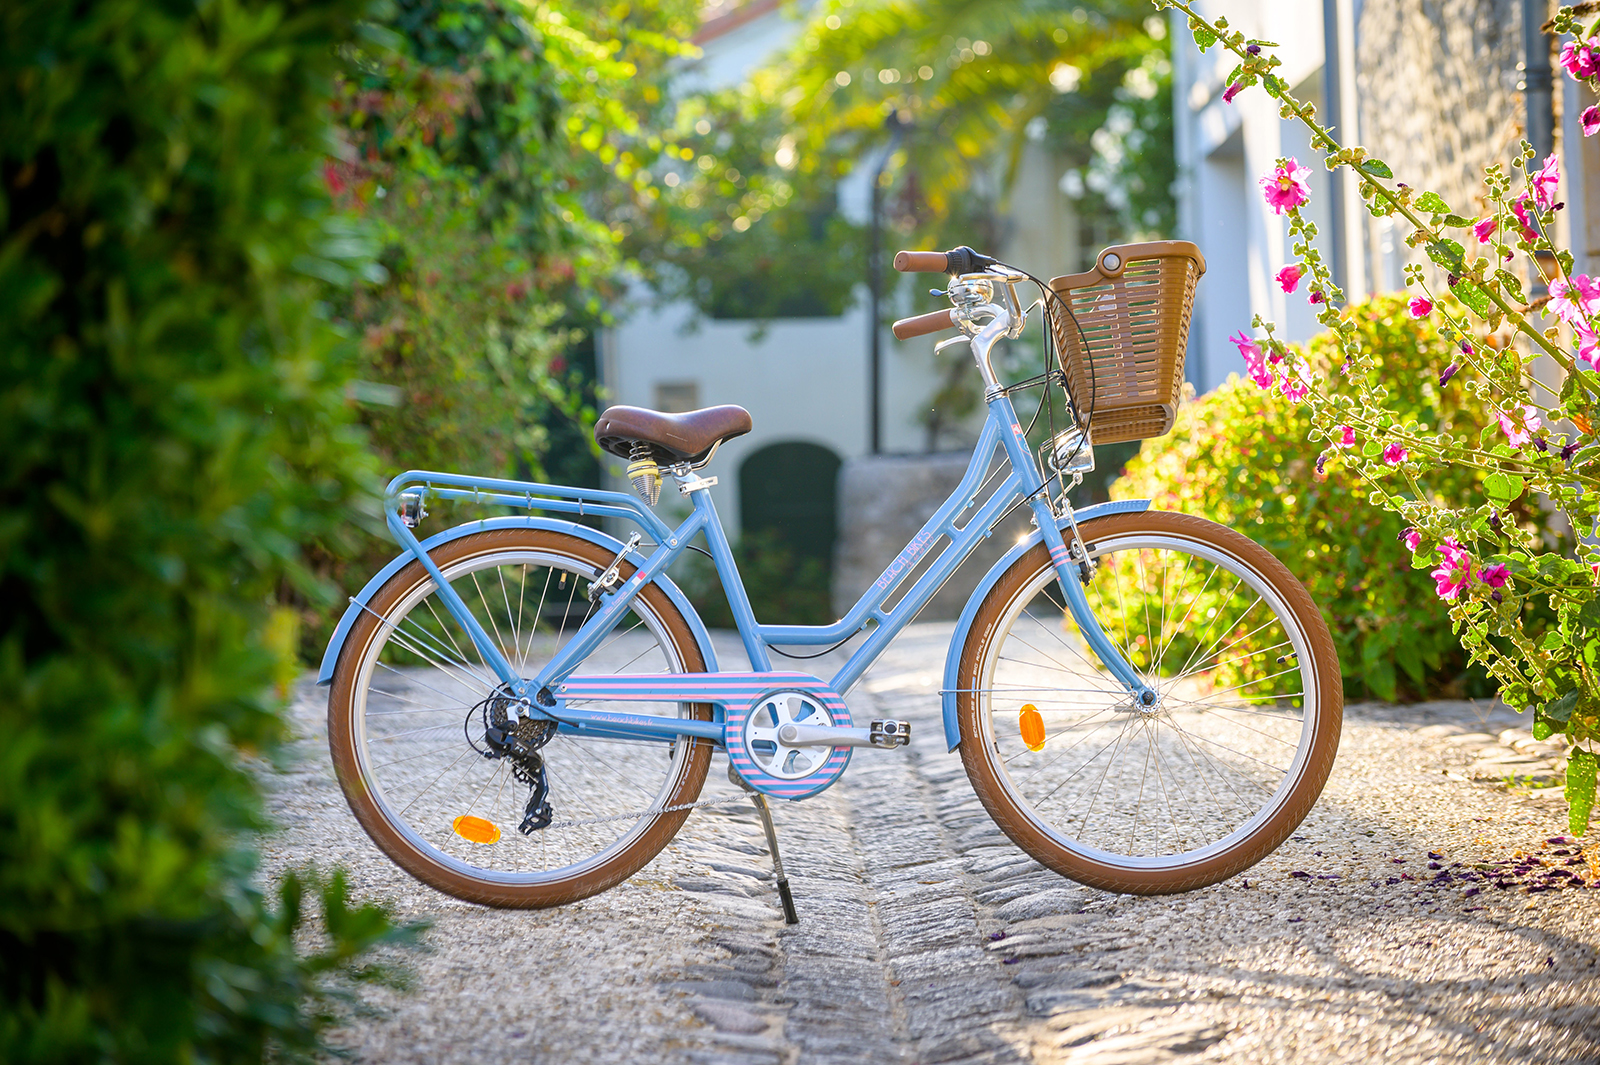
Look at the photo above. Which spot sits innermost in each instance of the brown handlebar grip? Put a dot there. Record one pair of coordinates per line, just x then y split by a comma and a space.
921, 262
923, 324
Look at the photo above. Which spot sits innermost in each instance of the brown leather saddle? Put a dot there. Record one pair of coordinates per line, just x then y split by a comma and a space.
686, 437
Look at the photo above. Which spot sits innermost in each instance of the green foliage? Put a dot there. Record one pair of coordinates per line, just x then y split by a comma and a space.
1240, 456
746, 223
175, 423
785, 588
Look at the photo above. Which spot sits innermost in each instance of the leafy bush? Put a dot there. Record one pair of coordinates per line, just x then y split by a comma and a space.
1240, 456
175, 422
785, 587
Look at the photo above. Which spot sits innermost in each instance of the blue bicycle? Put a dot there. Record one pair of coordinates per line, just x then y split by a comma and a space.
523, 709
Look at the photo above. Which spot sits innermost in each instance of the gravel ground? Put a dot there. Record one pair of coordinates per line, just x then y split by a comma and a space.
925, 936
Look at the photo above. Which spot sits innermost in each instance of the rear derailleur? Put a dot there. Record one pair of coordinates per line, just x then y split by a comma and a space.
519, 741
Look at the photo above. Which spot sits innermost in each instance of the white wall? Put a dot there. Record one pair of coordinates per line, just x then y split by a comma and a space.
1223, 148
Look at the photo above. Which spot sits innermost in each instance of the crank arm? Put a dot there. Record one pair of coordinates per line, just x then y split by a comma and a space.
885, 733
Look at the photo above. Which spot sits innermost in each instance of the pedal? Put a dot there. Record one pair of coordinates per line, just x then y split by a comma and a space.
889, 732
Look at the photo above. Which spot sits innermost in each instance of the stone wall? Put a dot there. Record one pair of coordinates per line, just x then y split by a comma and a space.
883, 501
1439, 98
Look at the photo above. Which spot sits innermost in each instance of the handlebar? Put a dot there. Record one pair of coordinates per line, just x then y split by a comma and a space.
923, 324
962, 260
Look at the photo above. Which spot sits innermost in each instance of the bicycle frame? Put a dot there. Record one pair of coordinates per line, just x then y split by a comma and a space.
545, 694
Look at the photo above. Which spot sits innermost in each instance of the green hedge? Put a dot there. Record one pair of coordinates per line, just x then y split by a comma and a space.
174, 424
1239, 456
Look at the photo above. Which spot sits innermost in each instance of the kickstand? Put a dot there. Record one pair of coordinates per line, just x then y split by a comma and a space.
760, 801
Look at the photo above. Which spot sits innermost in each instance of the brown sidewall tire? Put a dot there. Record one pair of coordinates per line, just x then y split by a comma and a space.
341, 731
1014, 820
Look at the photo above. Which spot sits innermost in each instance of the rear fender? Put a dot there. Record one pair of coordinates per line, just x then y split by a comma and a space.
330, 659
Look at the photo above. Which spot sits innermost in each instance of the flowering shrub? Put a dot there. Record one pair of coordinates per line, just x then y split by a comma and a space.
1240, 456
1488, 571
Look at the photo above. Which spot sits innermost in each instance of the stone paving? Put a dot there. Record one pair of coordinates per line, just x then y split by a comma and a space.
925, 936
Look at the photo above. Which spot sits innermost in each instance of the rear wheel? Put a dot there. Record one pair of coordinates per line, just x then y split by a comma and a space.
461, 797
1169, 798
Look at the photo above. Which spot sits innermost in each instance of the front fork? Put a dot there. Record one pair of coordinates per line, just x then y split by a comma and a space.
1069, 574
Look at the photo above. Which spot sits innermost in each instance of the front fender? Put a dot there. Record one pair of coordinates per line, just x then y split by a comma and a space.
330, 658
958, 639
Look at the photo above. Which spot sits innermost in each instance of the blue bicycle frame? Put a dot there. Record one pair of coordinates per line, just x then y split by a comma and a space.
543, 695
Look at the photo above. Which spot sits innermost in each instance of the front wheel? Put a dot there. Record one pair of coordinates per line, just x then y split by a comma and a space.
1172, 797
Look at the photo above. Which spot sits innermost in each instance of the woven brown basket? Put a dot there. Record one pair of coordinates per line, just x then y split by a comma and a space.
1132, 314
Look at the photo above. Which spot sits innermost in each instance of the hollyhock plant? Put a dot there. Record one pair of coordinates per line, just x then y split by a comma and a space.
1580, 58
1294, 386
1254, 364
1289, 277
1519, 207
1285, 185
1546, 182
1519, 428
1455, 570
1493, 328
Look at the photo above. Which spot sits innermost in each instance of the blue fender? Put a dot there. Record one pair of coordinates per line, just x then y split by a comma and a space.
330, 658
958, 639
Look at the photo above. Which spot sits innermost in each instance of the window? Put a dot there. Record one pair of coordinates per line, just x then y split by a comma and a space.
675, 397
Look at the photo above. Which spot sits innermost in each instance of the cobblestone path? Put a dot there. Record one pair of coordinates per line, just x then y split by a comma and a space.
925, 936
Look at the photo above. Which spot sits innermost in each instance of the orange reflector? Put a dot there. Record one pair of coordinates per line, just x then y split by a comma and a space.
476, 829
1032, 727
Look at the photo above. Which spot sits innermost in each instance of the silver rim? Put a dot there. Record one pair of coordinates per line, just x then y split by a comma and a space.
1218, 756
418, 679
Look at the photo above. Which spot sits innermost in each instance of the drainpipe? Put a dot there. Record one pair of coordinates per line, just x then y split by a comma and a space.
1536, 81
1332, 103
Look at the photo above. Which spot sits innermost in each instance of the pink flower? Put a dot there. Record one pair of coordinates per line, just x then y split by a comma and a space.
1576, 303
1589, 347
1394, 454
1231, 91
1412, 539
1580, 60
1591, 120
1285, 187
1546, 182
1421, 307
1519, 207
1454, 572
1254, 364
1316, 297
1520, 429
1483, 229
1495, 576
1346, 437
1289, 277
1295, 386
